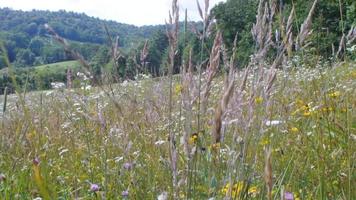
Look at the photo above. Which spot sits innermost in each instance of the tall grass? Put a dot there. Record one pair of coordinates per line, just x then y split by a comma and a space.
269, 131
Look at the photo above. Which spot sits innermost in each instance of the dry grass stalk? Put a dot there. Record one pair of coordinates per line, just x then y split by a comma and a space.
220, 111
144, 54
115, 52
227, 94
84, 63
346, 40
172, 29
288, 40
268, 173
342, 46
214, 63
69, 78
187, 80
305, 29
351, 36
262, 30
73, 53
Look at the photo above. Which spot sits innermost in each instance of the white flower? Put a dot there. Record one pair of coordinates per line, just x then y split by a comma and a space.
118, 159
163, 196
160, 142
274, 122
58, 85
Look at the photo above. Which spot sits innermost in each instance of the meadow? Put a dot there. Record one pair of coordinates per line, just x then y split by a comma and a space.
63, 143
273, 130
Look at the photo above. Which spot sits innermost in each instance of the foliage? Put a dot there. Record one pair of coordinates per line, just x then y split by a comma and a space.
236, 17
38, 78
25, 31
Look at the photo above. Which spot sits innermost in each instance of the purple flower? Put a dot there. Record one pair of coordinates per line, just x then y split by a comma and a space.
2, 177
288, 196
94, 187
125, 193
127, 166
36, 161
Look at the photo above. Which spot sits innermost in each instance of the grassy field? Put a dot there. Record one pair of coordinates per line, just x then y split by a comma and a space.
59, 67
298, 134
54, 68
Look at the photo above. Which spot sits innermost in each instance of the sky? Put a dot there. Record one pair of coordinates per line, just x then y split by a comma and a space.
137, 12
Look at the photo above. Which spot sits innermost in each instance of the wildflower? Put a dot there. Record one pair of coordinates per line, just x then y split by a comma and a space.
94, 187
258, 100
128, 166
193, 139
125, 193
334, 94
288, 196
273, 122
159, 142
306, 113
265, 141
163, 196
2, 177
236, 189
36, 161
178, 89
327, 109
294, 130
252, 190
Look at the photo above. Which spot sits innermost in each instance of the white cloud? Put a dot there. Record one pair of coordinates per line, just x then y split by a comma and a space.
138, 12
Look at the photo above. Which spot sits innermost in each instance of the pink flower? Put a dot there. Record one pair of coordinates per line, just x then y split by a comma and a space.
36, 161
128, 166
94, 187
125, 193
288, 196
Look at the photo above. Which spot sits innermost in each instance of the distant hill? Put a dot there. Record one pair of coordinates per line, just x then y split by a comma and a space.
28, 42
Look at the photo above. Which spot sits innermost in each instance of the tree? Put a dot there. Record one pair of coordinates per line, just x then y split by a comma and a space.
235, 17
25, 58
36, 46
156, 48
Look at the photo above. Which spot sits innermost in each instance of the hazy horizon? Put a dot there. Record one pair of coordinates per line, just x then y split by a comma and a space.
135, 12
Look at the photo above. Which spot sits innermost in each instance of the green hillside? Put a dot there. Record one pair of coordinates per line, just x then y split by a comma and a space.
57, 67
29, 43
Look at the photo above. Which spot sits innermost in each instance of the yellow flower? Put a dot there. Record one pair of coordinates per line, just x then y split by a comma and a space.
237, 188
252, 190
334, 94
306, 113
193, 139
259, 100
265, 141
178, 88
294, 130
